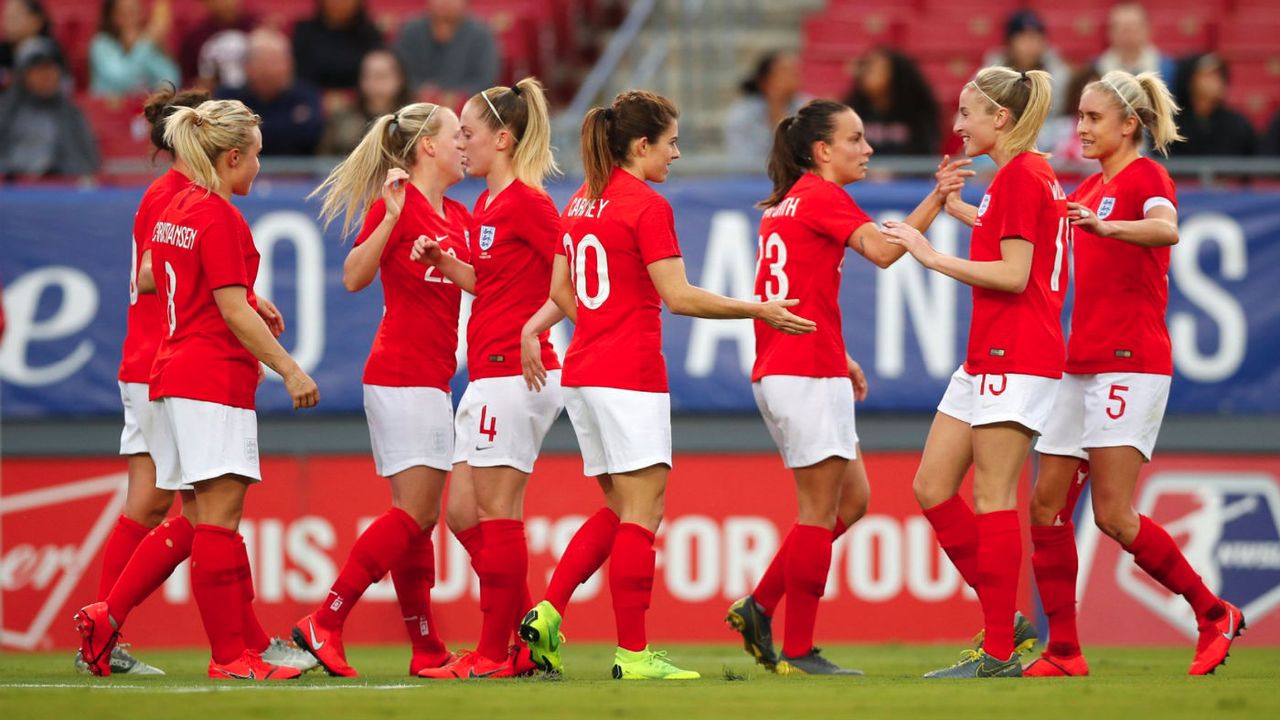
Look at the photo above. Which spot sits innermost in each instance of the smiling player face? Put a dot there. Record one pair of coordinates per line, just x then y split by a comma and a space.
1102, 126
976, 123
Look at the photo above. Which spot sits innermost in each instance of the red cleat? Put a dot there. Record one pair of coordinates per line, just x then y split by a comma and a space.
325, 645
1215, 640
422, 661
521, 661
468, 666
98, 635
1057, 666
251, 666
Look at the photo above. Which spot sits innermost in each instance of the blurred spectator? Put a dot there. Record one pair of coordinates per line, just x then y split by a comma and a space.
771, 93
42, 133
327, 48
290, 108
23, 20
1130, 48
384, 88
448, 54
1271, 141
1211, 128
1026, 47
212, 52
896, 104
127, 55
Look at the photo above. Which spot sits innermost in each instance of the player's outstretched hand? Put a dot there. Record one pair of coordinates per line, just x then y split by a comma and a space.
775, 313
302, 389
426, 251
951, 175
1085, 219
271, 315
393, 191
903, 234
535, 373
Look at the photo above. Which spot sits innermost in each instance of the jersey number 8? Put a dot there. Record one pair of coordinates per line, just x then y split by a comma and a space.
170, 310
601, 268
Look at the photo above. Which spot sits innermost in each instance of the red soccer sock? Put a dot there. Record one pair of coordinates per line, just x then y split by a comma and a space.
1158, 555
808, 560
216, 584
414, 574
153, 561
957, 530
1068, 511
375, 551
999, 558
123, 540
773, 584
631, 567
1056, 565
255, 638
586, 552
504, 571
472, 540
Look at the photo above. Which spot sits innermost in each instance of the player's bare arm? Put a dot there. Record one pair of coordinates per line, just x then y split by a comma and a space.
1158, 229
1008, 274
253, 334
361, 265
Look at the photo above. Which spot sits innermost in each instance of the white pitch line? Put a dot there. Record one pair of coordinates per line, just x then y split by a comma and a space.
208, 689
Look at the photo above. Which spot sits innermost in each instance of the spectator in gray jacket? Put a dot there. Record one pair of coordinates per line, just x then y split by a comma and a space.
448, 54
42, 133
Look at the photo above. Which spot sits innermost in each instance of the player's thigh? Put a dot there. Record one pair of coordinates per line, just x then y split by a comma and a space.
1000, 451
418, 490
1114, 474
145, 503
460, 502
947, 455
855, 491
641, 494
220, 500
818, 491
499, 492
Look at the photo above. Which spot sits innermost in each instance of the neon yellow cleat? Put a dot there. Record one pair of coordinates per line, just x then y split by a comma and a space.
541, 630
647, 665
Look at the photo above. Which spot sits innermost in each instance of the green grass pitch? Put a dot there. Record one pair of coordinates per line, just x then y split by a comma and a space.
1142, 684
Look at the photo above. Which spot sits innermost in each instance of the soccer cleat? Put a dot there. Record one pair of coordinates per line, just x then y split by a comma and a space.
978, 664
98, 637
1024, 634
421, 661
647, 665
286, 654
122, 662
324, 645
747, 618
1056, 666
1215, 641
812, 663
470, 665
251, 666
541, 630
522, 663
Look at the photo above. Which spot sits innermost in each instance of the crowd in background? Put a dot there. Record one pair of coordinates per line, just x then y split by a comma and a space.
318, 83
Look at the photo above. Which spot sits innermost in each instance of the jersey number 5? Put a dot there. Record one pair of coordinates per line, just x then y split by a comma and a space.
601, 269
774, 252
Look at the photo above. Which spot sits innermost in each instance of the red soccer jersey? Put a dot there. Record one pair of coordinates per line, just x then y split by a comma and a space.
610, 242
201, 243
1021, 332
145, 324
1122, 289
513, 242
418, 337
801, 256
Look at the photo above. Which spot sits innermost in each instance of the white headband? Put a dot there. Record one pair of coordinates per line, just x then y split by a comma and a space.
409, 148
484, 94
974, 85
1125, 100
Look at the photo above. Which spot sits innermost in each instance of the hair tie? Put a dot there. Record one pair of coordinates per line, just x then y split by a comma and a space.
1023, 74
609, 114
199, 120
515, 90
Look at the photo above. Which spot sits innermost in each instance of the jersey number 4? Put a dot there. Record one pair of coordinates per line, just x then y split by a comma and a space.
600, 268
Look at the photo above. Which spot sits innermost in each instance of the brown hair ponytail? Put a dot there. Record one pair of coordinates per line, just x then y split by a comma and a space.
607, 132
792, 153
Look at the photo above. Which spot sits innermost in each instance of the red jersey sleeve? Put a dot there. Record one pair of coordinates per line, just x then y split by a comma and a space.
372, 219
544, 233
222, 253
1016, 206
656, 232
839, 217
1151, 182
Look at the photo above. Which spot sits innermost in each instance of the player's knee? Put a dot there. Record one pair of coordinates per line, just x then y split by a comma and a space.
151, 510
1043, 511
426, 517
1115, 523
928, 494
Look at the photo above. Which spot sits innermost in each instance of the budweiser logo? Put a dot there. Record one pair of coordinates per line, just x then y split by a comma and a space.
62, 529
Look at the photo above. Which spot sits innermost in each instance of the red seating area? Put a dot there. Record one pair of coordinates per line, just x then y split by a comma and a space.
949, 38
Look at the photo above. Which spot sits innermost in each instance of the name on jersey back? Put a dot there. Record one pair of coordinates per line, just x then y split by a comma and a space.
786, 208
178, 236
582, 207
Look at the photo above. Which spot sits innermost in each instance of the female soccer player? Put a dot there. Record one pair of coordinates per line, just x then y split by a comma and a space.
802, 383
410, 158
619, 239
1119, 362
500, 422
206, 373
1002, 394
144, 548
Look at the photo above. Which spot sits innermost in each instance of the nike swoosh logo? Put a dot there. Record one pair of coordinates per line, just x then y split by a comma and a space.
482, 449
474, 674
315, 643
1231, 628
249, 676
984, 672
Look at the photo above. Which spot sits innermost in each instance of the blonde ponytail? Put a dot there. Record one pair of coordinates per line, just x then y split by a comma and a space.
201, 134
390, 142
1026, 95
522, 111
1146, 98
